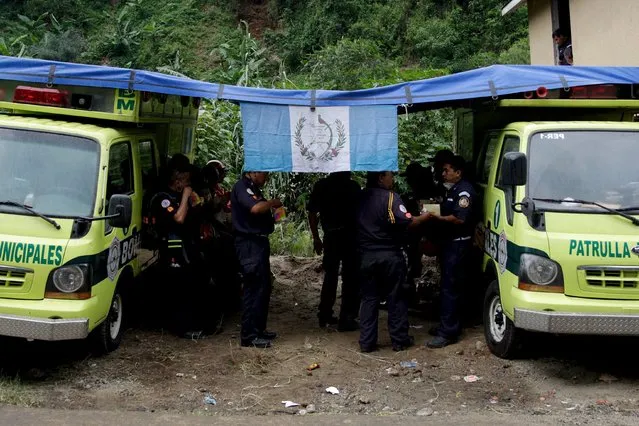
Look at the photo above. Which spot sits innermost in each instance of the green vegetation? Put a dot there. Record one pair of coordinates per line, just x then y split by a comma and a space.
14, 392
292, 237
327, 44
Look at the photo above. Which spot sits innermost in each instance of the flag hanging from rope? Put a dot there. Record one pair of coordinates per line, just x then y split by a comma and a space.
281, 138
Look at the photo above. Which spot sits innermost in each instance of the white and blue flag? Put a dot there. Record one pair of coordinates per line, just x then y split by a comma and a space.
282, 138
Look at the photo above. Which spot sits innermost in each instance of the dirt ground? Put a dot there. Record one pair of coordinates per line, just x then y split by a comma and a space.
575, 378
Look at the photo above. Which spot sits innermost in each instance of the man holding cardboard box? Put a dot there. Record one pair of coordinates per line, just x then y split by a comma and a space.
457, 222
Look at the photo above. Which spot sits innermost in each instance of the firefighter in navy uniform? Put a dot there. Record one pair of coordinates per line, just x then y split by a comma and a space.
252, 223
458, 226
382, 220
169, 209
217, 238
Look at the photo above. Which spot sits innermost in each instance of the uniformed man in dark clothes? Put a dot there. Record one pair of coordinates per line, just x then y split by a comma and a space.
218, 241
382, 220
457, 220
252, 223
169, 210
334, 198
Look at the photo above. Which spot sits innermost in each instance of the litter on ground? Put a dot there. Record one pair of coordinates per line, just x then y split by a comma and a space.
471, 379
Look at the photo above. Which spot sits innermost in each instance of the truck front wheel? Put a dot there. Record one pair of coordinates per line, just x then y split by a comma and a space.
108, 335
502, 338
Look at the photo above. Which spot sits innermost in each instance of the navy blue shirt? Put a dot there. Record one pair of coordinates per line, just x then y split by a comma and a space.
460, 202
382, 219
335, 199
164, 206
243, 197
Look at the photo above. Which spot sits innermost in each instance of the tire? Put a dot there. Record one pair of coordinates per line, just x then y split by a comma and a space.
502, 338
107, 336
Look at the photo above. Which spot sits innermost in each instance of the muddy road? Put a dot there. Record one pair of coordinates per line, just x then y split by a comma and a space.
574, 379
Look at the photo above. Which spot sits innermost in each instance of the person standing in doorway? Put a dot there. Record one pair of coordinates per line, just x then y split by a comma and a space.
564, 47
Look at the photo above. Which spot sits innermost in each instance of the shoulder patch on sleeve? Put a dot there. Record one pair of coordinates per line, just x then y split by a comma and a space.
402, 208
250, 191
464, 193
464, 202
165, 203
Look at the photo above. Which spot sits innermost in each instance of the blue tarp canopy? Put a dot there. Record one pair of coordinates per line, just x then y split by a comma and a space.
493, 81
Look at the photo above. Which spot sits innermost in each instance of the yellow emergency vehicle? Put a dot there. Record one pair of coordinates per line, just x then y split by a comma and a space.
76, 166
560, 227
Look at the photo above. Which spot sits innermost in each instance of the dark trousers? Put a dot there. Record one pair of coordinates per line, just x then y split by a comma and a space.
383, 277
222, 258
339, 247
414, 257
188, 309
191, 305
253, 254
454, 263
414, 254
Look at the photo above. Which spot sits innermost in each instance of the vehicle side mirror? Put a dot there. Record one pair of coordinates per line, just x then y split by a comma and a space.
120, 210
514, 169
527, 207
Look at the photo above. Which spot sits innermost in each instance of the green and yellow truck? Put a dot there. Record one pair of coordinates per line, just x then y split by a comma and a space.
560, 202
76, 165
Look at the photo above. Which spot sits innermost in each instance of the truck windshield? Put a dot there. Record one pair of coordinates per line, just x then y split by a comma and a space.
599, 166
54, 174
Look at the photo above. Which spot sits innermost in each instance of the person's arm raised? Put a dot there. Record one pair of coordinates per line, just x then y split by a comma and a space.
180, 215
265, 206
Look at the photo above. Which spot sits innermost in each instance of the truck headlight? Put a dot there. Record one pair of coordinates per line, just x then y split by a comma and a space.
71, 278
539, 273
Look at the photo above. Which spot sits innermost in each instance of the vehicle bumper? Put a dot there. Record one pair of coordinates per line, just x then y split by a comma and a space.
577, 323
48, 319
558, 313
43, 328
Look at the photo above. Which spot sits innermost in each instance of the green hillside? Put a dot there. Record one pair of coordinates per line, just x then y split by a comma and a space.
328, 44
321, 43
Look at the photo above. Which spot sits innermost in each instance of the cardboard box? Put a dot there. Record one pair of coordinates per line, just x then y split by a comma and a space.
431, 208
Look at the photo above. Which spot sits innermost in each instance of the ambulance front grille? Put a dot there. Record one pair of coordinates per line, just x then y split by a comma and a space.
614, 277
13, 277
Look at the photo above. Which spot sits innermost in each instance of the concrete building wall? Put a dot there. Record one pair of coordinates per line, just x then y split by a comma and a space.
605, 32
540, 32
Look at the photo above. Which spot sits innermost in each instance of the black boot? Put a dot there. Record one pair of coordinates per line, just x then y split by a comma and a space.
257, 343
